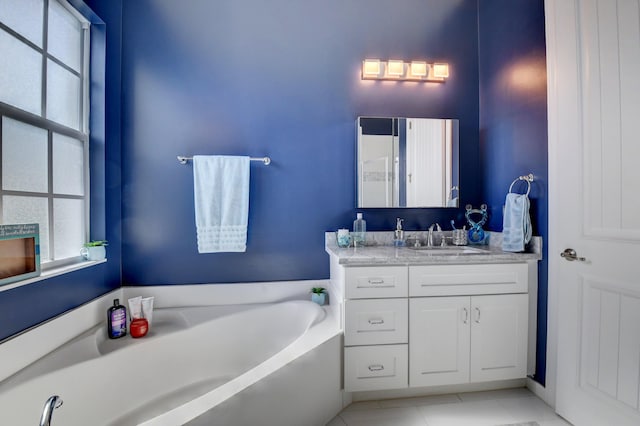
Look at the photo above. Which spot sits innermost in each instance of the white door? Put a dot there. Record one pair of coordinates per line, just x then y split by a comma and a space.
425, 162
499, 334
593, 62
439, 336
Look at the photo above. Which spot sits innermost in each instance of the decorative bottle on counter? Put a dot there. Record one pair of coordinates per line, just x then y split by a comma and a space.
359, 230
117, 320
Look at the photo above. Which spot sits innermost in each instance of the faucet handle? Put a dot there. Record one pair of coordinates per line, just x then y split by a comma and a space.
438, 227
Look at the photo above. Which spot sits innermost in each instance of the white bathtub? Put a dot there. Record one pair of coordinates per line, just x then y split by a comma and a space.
199, 365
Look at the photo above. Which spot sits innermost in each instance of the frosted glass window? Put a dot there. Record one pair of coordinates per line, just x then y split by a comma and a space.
68, 165
63, 96
44, 167
24, 157
21, 76
68, 227
65, 35
17, 210
24, 17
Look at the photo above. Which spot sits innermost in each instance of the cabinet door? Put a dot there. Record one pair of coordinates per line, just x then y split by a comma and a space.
439, 336
499, 337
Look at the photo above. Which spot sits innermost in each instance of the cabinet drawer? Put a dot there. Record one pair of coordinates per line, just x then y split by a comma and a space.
376, 321
376, 282
445, 280
375, 367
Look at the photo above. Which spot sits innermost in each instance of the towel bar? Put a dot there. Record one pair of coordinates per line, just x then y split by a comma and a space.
265, 160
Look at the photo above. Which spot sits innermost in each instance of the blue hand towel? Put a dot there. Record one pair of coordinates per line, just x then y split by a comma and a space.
221, 195
516, 232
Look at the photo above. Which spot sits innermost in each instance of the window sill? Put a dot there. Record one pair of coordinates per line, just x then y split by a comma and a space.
53, 272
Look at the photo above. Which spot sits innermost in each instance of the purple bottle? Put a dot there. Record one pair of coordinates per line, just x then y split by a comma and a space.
117, 320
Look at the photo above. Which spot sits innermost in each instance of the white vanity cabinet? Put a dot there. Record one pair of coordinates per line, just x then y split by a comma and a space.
376, 328
480, 335
432, 325
463, 339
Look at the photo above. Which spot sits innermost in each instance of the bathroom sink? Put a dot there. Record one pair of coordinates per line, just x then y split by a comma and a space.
448, 250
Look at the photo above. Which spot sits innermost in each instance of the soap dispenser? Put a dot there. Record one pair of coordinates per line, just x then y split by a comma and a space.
398, 234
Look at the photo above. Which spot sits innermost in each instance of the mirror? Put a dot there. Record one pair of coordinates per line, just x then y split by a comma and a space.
407, 162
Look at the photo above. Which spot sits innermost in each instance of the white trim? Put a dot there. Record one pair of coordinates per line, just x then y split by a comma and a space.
541, 392
548, 393
53, 272
74, 12
225, 294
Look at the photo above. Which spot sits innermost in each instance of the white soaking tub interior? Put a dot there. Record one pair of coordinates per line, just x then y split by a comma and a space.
193, 359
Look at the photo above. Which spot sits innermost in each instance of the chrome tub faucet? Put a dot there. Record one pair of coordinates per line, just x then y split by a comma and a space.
47, 411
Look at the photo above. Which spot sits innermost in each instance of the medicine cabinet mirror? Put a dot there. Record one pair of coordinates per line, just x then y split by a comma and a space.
407, 162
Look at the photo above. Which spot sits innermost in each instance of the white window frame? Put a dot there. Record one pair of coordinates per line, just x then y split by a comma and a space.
40, 121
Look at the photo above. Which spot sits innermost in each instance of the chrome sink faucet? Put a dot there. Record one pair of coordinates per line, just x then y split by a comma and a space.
430, 235
398, 234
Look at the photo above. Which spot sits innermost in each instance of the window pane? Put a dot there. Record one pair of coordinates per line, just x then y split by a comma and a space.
65, 35
17, 210
68, 165
24, 17
24, 157
21, 76
68, 227
63, 96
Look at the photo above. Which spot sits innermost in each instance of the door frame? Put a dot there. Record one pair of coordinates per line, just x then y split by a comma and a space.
548, 392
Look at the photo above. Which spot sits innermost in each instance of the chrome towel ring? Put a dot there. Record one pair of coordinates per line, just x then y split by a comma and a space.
527, 178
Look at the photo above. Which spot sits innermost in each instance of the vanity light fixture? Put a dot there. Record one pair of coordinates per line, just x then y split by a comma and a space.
441, 70
371, 68
394, 69
419, 69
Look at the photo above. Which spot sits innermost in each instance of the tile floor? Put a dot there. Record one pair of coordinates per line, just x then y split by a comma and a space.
491, 408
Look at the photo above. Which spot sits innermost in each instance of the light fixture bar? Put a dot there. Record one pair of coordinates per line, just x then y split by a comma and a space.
398, 70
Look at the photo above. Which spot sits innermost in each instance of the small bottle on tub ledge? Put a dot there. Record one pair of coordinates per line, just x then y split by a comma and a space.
117, 320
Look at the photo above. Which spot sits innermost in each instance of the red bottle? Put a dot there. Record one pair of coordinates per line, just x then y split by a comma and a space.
139, 327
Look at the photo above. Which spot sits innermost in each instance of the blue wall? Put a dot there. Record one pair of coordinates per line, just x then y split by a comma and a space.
26, 306
513, 122
278, 78
281, 78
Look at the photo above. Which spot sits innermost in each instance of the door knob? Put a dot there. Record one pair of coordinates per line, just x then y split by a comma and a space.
570, 255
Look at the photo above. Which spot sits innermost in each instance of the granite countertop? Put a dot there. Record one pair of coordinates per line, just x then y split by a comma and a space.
379, 250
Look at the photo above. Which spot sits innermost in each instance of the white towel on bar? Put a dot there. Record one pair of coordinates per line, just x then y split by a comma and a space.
221, 194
